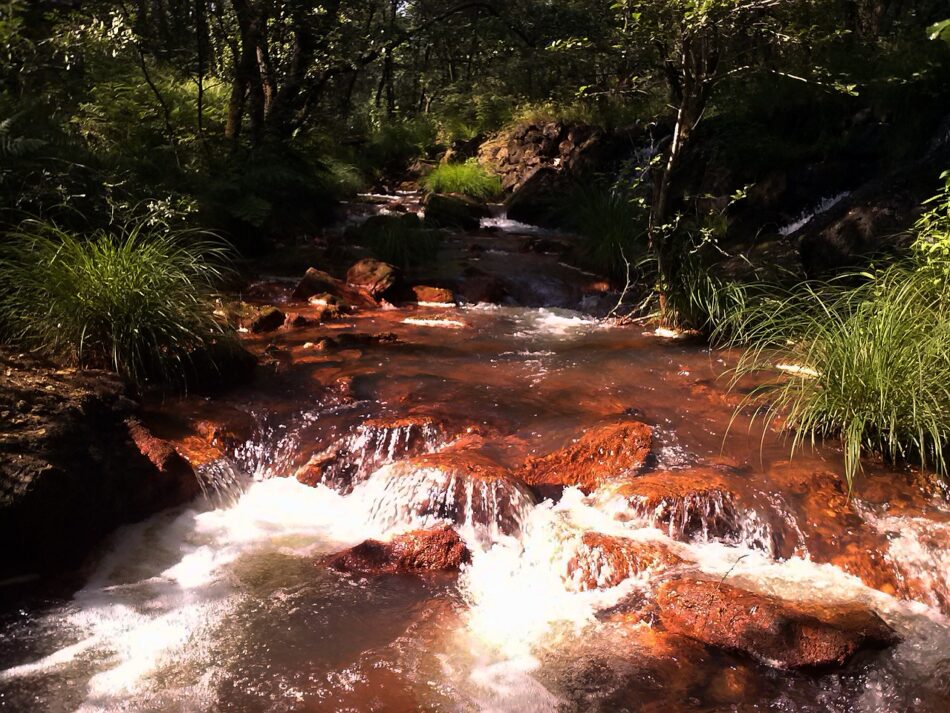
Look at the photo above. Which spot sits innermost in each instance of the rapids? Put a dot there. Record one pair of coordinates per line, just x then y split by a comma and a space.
227, 606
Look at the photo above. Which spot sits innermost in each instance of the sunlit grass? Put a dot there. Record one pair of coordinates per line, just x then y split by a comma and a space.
467, 178
134, 301
869, 365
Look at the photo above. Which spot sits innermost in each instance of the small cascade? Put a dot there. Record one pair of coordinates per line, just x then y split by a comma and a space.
374, 444
713, 516
222, 482
805, 218
484, 509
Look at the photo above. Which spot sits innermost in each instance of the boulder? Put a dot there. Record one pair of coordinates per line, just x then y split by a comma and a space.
439, 549
432, 295
453, 210
267, 319
316, 282
458, 485
778, 633
602, 454
540, 199
606, 560
75, 463
376, 442
477, 286
374, 277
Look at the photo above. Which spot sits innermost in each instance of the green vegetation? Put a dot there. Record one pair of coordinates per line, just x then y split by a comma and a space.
467, 178
868, 363
138, 301
399, 240
612, 222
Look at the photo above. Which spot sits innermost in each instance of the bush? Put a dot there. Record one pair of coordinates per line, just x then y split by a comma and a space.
467, 178
135, 302
399, 240
867, 364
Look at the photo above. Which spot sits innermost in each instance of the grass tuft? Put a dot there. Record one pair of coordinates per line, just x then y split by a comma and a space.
467, 178
136, 301
869, 365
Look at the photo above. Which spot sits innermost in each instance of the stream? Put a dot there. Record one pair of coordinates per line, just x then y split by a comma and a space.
228, 605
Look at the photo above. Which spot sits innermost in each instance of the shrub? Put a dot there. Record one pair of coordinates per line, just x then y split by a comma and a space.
399, 240
467, 178
135, 302
867, 364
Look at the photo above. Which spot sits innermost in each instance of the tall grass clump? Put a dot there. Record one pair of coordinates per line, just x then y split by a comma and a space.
613, 226
467, 178
869, 365
135, 301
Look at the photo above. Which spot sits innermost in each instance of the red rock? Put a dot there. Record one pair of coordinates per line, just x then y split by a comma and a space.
228, 427
372, 276
167, 461
601, 454
776, 632
316, 282
703, 502
440, 549
463, 486
424, 293
605, 561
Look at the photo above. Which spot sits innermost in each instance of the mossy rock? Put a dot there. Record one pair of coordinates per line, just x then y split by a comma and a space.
453, 210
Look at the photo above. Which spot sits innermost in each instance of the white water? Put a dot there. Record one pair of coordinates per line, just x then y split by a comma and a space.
824, 206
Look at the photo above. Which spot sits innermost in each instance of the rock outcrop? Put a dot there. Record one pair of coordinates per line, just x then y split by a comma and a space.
75, 463
776, 632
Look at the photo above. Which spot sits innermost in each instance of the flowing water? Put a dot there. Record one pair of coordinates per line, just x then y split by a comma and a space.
227, 605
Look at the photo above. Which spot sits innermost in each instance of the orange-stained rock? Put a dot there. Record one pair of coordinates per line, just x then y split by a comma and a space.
372, 276
462, 486
706, 503
169, 462
316, 282
226, 427
375, 442
779, 633
600, 455
605, 560
440, 549
439, 295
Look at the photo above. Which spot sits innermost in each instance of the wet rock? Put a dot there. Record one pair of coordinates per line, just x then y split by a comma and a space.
461, 486
227, 427
778, 633
432, 295
267, 319
440, 549
374, 277
453, 210
605, 560
702, 503
316, 282
602, 454
301, 321
74, 464
376, 442
477, 286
